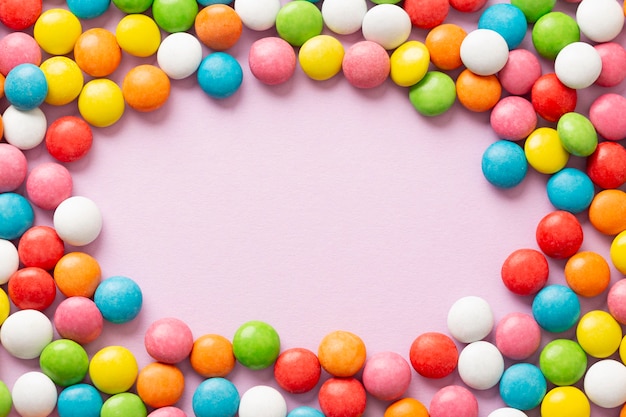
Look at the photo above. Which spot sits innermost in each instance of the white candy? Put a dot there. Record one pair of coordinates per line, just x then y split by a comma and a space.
77, 221
9, 260
344, 16
605, 383
507, 412
262, 401
578, 65
25, 333
257, 14
34, 395
24, 129
600, 20
484, 51
470, 319
480, 365
387, 24
179, 55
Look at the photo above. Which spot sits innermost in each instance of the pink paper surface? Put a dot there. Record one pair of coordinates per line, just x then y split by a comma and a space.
314, 206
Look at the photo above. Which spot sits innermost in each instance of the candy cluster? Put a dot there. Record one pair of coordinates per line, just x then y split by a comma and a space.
475, 68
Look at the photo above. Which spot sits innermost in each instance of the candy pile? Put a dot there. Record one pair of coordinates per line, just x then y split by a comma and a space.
50, 59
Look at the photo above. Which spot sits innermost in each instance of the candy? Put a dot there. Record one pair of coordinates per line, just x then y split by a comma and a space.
160, 384
366, 64
79, 400
256, 345
299, 21
56, 31
168, 340
544, 151
484, 51
68, 139
563, 362
520, 72
406, 407
551, 98
513, 118
18, 48
13, 167
179, 55
77, 220
48, 185
219, 75
65, 80
64, 361
34, 394
113, 369
341, 353
556, 308
587, 273
523, 386
570, 189
599, 334
297, 370
77, 274
168, 412
518, 336
506, 19
344, 17
607, 165
434, 94
32, 288
262, 401
146, 88
218, 26
272, 60
321, 56
5, 307
604, 383
504, 164
24, 129
613, 56
97, 52
600, 21
507, 412
470, 319
304, 411
119, 299
615, 301
124, 404
78, 319
467, 6
444, 45
577, 134
386, 24
525, 271
559, 234
260, 14
433, 355
215, 397
133, 6
19, 15
386, 376
138, 35
552, 32
618, 252
342, 397
101, 102
88, 9
478, 93
212, 356
409, 63
426, 14
480, 365
9, 260
16, 216
25, 333
534, 9
453, 400
41, 247
174, 15
578, 65
565, 401
26, 87
604, 112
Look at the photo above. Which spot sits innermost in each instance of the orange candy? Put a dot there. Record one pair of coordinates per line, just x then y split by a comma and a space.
341, 353
406, 407
587, 274
146, 88
478, 93
77, 274
97, 52
444, 44
212, 356
218, 26
2, 78
607, 212
160, 384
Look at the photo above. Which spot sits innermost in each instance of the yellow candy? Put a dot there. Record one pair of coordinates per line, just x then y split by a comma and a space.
409, 63
138, 35
101, 103
544, 151
565, 402
56, 31
618, 252
320, 57
599, 334
113, 369
65, 80
5, 306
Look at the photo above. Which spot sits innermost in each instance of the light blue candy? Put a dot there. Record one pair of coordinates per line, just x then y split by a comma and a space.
220, 75
119, 299
506, 19
16, 216
210, 2
26, 87
504, 164
304, 411
556, 308
80, 400
523, 386
215, 397
571, 190
88, 9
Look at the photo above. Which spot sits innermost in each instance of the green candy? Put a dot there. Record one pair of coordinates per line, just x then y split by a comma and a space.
125, 404
553, 32
534, 9
133, 6
64, 361
175, 15
256, 345
577, 134
434, 94
6, 402
298, 21
563, 362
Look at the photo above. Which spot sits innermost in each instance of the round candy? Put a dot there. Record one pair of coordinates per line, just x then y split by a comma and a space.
523, 386
613, 56
79, 400
600, 21
175, 15
168, 340
480, 365
513, 118
534, 9
18, 48
77, 220
133, 6
344, 17
504, 164
272, 60
578, 65
88, 9
6, 402
341, 353
124, 404
563, 362
544, 151
406, 407
48, 185
506, 19
212, 356
218, 26
138, 35
119, 299
299, 21
551, 98
19, 15
604, 113
478, 93
101, 102
470, 319
434, 94
433, 355
297, 370
113, 369
13, 167
64, 361
453, 400
616, 301
160, 384
426, 14
32, 288
16, 216
570, 189
169, 411
41, 247
386, 376
146, 88
518, 336
25, 333
179, 55
24, 129
409, 63
262, 401
56, 31
607, 165
258, 14
552, 32
366, 64
220, 75
305, 411
77, 274
97, 52
598, 388
484, 51
26, 87
69, 138
599, 334
78, 319
34, 394
618, 252
565, 401
559, 234
444, 45
9, 260
520, 72
577, 134
215, 397
467, 6
321, 56
386, 24
525, 271
556, 308
342, 397
587, 273
507, 412
65, 80
256, 345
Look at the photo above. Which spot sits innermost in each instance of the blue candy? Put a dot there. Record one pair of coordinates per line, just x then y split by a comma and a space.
88, 9
523, 386
571, 190
119, 299
304, 411
80, 400
220, 75
506, 19
16, 216
215, 397
504, 164
26, 87
556, 308
210, 2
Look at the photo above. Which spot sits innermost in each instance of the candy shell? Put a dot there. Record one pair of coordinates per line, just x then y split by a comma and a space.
218, 26
484, 51
101, 102
79, 400
160, 384
146, 88
598, 388
366, 64
18, 48
480, 365
32, 288
175, 15
64, 361
616, 303
578, 65
504, 164
386, 376
426, 14
13, 167
544, 151
613, 56
571, 190
262, 401
506, 19
587, 273
470, 319
559, 234
518, 336
212, 356
321, 56
299, 21
48, 185
552, 32
344, 17
386, 24
113, 369
56, 31
41, 247
65, 80
406, 407
604, 114
25, 333
138, 35
256, 345
215, 397
599, 334
179, 55
34, 395
565, 401
258, 15
341, 353
78, 319
433, 355
342, 397
453, 400
219, 75
168, 340
119, 299
97, 52
24, 129
9, 260
523, 386
272, 60
69, 138
444, 45
556, 308
77, 220
513, 118
563, 362
297, 370
600, 20
434, 94
520, 72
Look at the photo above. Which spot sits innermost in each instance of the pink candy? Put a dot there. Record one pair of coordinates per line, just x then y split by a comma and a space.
613, 57
454, 401
168, 340
13, 167
616, 301
386, 376
513, 118
48, 185
607, 115
366, 64
518, 336
521, 71
78, 319
18, 48
272, 60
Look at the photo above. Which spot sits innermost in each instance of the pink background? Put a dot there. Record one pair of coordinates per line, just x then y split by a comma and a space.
314, 206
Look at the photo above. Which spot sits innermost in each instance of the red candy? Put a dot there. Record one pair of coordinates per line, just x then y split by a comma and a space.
525, 271
551, 98
69, 138
32, 288
434, 355
559, 234
467, 6
40, 246
426, 14
342, 397
607, 165
20, 14
297, 370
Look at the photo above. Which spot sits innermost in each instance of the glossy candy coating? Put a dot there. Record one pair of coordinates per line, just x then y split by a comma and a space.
433, 355
341, 353
256, 345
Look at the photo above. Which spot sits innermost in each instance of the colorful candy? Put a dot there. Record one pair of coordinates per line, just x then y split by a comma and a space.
160, 384
523, 386
77, 220
297, 22
599, 334
480, 365
321, 56
56, 31
587, 273
219, 75
78, 319
262, 401
434, 94
256, 345
386, 24
272, 60
24, 129
138, 35
77, 274
119, 299
218, 26
297, 370
13, 167
48, 185
168, 340
366, 64
600, 21
34, 394
563, 362
559, 234
212, 356
556, 308
215, 397
79, 400
341, 353
179, 55
386, 376
32, 288
571, 190
484, 51
597, 388
113, 369
68, 139
25, 333
146, 88
470, 319
518, 336
578, 65
64, 361
453, 400
433, 355
342, 397
65, 80
552, 32
565, 401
